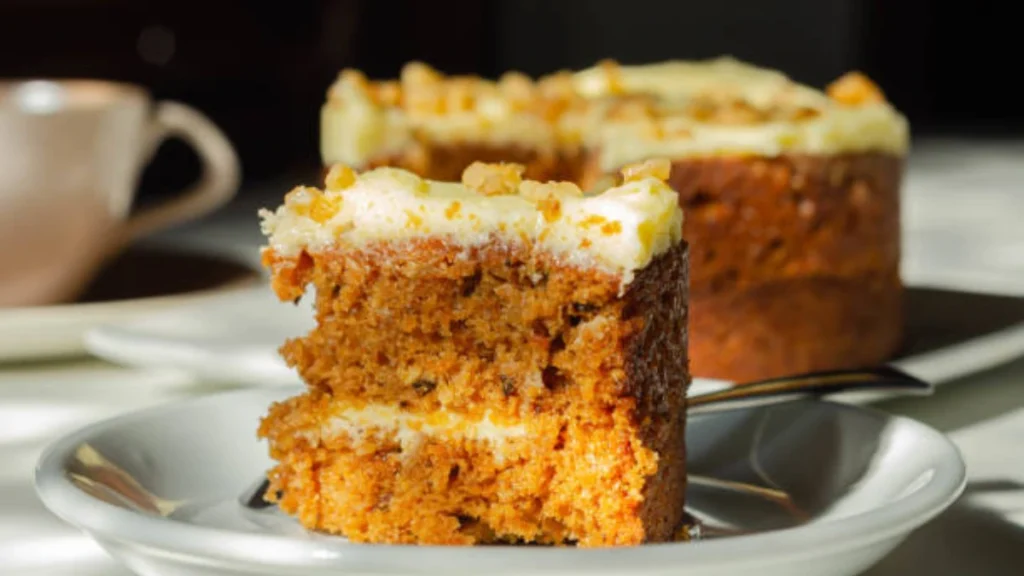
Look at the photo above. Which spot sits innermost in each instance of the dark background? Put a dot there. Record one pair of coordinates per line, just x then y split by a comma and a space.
260, 70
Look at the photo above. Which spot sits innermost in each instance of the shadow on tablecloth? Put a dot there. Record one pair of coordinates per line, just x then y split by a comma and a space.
966, 540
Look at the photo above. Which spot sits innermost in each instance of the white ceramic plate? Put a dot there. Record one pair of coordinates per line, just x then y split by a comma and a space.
236, 338
152, 279
228, 338
59, 331
160, 488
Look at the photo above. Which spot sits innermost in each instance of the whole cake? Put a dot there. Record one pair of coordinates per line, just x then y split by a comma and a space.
496, 360
791, 193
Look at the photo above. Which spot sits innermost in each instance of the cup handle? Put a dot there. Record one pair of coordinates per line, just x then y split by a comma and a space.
218, 183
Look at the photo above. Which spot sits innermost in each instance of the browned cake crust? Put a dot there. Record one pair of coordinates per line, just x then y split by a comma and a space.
597, 380
795, 258
795, 262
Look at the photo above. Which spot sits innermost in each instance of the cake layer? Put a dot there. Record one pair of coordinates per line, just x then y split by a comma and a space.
407, 426
814, 285
619, 230
590, 477
797, 325
500, 325
765, 220
623, 113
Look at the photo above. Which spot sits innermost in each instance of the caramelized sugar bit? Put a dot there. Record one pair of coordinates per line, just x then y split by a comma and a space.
355, 78
547, 196
311, 202
339, 177
388, 93
613, 72
422, 89
493, 179
350, 83
459, 95
611, 228
551, 208
517, 89
854, 89
557, 93
538, 191
324, 207
425, 100
418, 74
659, 168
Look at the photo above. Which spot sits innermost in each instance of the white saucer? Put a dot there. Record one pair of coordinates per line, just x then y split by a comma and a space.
160, 488
128, 289
229, 338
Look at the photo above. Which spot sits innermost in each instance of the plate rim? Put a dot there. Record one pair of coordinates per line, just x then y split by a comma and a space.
201, 543
126, 341
88, 316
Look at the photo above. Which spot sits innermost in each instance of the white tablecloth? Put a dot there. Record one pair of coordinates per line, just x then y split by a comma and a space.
964, 222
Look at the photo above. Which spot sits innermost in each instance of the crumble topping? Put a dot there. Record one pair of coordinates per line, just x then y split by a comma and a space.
619, 229
855, 89
623, 113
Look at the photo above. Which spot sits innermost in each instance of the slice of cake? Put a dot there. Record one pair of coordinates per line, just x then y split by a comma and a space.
497, 360
791, 193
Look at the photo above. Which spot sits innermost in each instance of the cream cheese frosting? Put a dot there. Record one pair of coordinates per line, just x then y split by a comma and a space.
783, 116
619, 230
377, 418
374, 421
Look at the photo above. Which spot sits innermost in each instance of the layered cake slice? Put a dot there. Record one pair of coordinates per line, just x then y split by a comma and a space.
791, 193
496, 360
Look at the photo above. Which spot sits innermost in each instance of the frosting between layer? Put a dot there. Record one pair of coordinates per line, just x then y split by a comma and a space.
410, 429
358, 422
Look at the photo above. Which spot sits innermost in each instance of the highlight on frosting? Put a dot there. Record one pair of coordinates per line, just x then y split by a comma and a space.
620, 229
623, 113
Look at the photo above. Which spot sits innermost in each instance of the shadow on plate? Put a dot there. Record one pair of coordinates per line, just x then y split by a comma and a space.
794, 466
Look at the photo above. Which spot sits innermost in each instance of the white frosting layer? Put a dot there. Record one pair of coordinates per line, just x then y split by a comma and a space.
680, 80
410, 430
849, 130
620, 230
359, 127
375, 418
354, 128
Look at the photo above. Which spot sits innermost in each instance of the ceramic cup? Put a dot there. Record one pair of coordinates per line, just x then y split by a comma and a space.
71, 153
